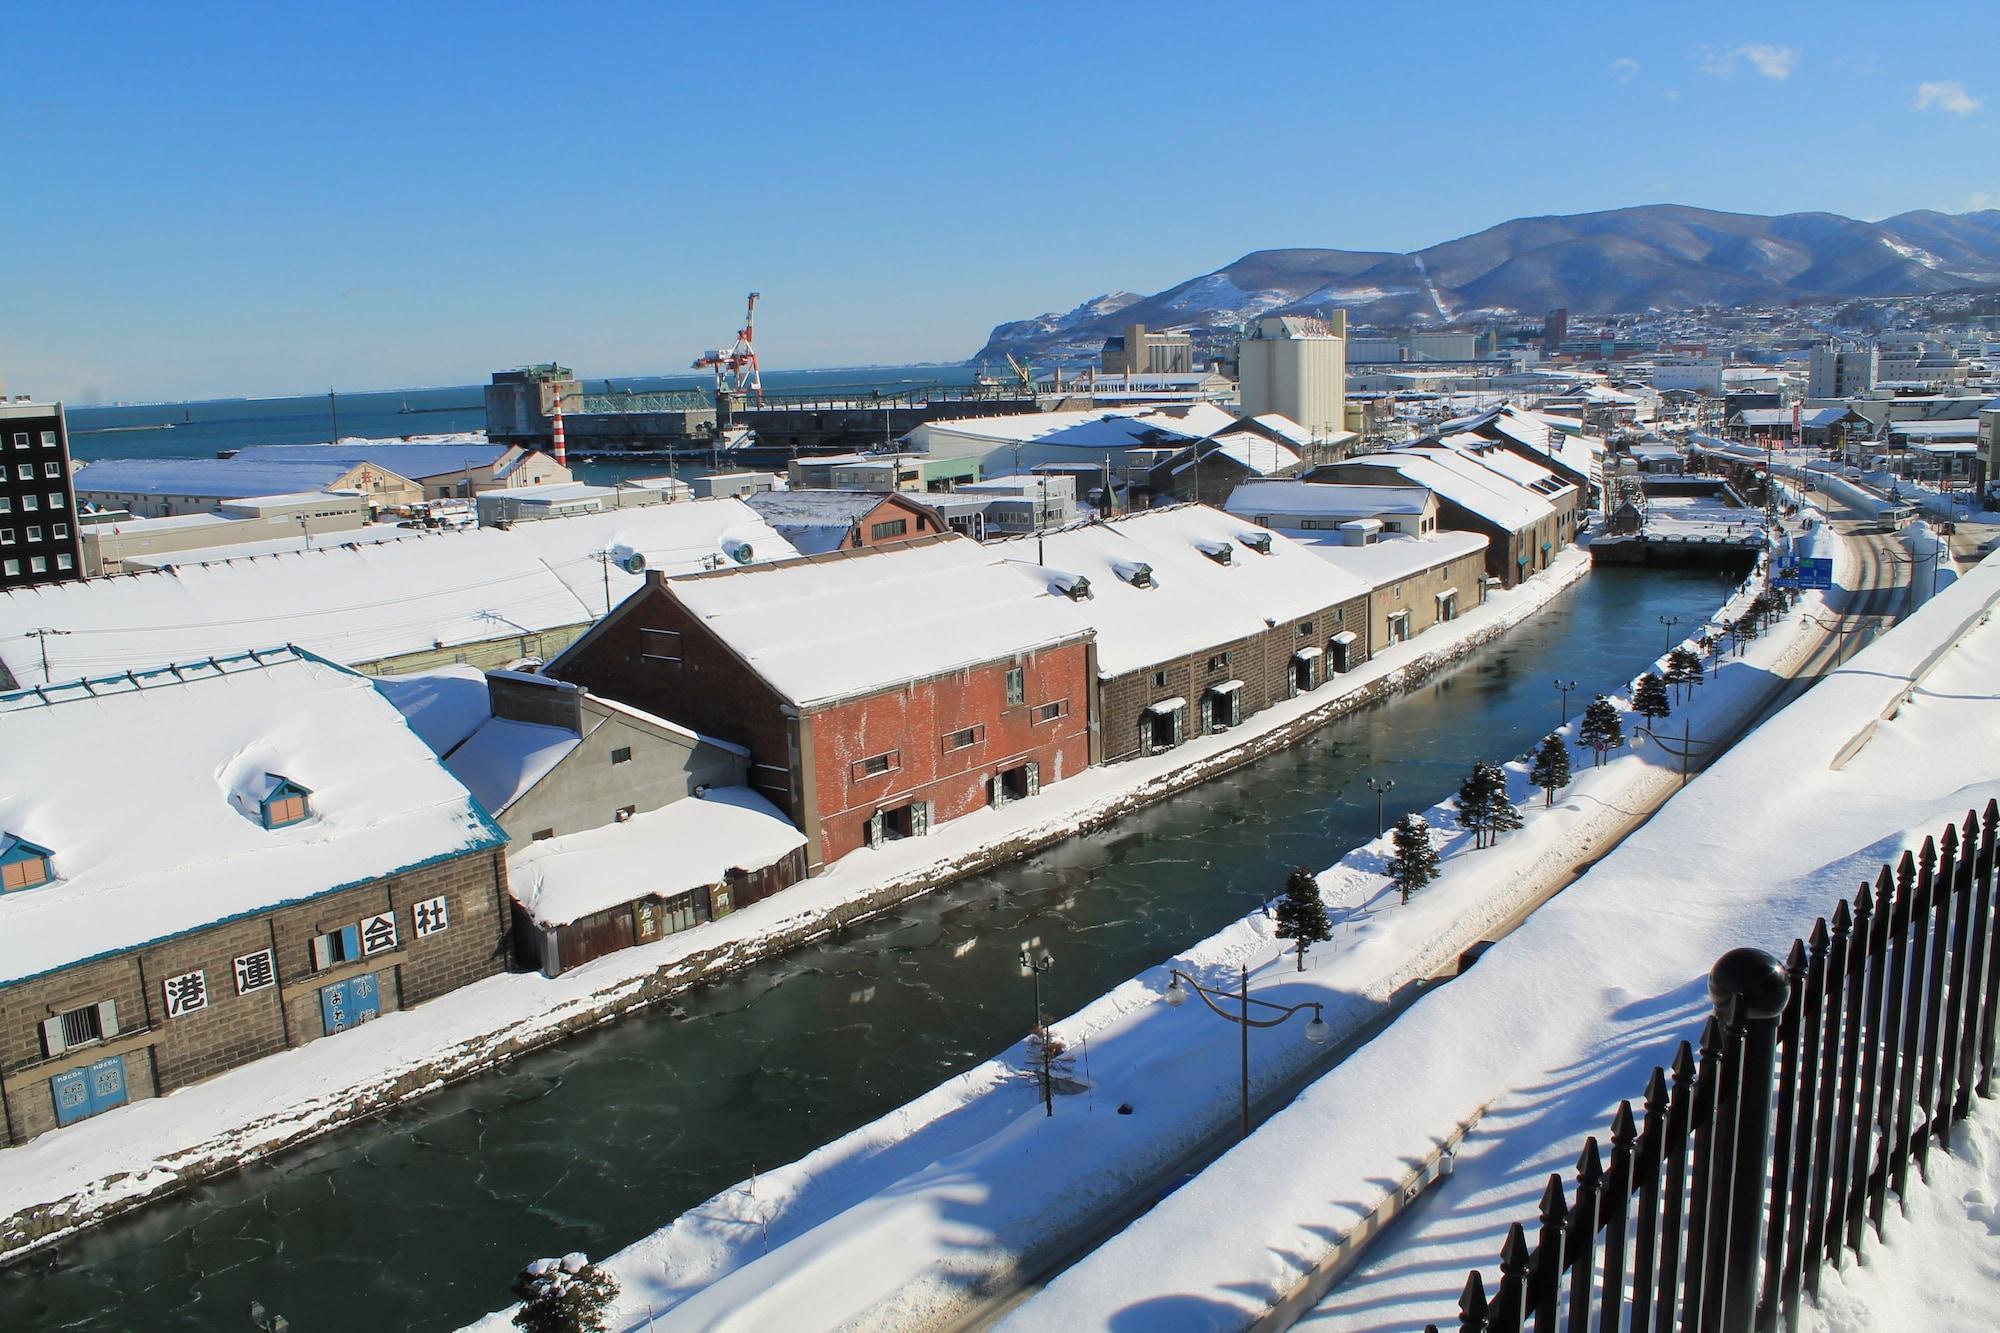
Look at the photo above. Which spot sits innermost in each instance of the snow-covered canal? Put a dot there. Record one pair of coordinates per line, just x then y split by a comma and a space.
420, 1220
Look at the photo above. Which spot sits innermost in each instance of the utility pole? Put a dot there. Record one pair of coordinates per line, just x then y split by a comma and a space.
333, 406
42, 635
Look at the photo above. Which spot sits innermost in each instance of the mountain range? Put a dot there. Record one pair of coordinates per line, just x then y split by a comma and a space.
1626, 261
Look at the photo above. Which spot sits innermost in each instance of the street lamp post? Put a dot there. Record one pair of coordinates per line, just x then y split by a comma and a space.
1670, 622
1317, 1031
1031, 966
1034, 967
1563, 687
1381, 787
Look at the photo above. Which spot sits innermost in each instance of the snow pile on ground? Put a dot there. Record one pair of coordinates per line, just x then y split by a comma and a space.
905, 1221
1938, 1264
61, 1181
1565, 1017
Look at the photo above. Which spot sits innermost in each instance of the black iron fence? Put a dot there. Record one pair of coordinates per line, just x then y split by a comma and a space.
1763, 1153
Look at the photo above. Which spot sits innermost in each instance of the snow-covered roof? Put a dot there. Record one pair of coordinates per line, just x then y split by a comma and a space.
443, 706
1393, 556
830, 627
1286, 429
226, 549
1332, 499
155, 841
501, 760
1193, 601
1962, 428
1097, 428
415, 461
1465, 482
686, 845
1541, 433
363, 603
1248, 449
206, 478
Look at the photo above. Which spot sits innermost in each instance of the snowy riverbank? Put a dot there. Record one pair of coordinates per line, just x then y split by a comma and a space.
907, 1222
1566, 1016
96, 1169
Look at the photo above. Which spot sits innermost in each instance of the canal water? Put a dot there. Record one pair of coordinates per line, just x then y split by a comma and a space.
419, 1220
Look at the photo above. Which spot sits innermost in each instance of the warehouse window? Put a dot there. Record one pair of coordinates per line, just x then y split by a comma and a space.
959, 740
1017, 686
660, 645
894, 527
622, 755
1051, 711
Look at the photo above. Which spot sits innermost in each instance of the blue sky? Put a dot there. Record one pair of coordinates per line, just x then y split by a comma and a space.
208, 199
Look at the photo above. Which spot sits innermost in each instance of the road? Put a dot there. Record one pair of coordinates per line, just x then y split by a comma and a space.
1879, 598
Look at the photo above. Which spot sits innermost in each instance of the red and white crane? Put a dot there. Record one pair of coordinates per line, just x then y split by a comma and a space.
737, 368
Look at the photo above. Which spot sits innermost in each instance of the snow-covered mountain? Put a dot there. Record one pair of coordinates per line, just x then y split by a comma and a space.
1656, 257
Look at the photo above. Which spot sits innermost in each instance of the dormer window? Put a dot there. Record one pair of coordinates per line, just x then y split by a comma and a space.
23, 865
1220, 552
283, 802
1260, 542
1137, 574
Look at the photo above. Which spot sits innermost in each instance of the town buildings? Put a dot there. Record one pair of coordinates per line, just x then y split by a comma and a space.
114, 541
38, 522
881, 692
1139, 351
284, 859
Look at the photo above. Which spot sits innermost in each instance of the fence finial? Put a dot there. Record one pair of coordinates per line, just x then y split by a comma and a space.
1749, 984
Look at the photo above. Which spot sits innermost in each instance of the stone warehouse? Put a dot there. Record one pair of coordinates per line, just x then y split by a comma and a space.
282, 859
1202, 620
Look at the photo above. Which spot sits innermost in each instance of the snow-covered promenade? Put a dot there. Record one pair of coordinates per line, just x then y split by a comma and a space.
1567, 1016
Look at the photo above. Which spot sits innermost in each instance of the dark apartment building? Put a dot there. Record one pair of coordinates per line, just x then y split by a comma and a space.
38, 525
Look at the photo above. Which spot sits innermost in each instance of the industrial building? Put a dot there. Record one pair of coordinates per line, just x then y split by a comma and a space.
441, 467
1296, 366
165, 487
116, 541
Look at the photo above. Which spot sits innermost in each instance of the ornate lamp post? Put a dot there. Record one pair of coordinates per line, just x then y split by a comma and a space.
1317, 1031
1563, 687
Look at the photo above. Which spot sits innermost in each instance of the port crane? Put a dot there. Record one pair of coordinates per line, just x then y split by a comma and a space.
736, 369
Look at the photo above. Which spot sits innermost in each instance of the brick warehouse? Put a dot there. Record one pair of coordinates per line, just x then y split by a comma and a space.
1202, 619
284, 860
880, 691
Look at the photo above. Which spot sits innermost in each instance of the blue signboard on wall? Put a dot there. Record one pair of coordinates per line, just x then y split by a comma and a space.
345, 1003
82, 1093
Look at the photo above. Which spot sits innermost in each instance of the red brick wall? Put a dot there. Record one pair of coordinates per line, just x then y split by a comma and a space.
913, 722
915, 524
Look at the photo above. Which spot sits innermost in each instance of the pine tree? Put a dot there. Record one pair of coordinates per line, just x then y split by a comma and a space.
1551, 770
1474, 804
1683, 669
1048, 1061
1415, 863
566, 1295
1502, 815
1302, 913
1649, 697
1602, 729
